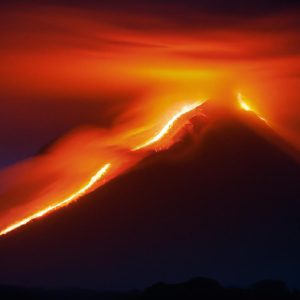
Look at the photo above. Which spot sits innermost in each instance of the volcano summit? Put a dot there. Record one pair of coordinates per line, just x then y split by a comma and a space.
222, 201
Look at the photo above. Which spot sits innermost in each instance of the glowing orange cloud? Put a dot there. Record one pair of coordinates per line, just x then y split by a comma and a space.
66, 52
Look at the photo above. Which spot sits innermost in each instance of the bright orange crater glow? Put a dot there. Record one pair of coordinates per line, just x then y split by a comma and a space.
246, 107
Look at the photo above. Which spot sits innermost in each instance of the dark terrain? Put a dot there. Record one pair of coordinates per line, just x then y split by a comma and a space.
196, 288
223, 203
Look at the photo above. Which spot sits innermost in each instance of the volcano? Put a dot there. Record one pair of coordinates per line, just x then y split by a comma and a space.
222, 202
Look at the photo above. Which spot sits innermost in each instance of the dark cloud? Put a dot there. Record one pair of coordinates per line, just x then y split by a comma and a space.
227, 7
88, 25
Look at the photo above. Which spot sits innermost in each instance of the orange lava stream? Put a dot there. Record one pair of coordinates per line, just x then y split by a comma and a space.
184, 110
101, 172
94, 179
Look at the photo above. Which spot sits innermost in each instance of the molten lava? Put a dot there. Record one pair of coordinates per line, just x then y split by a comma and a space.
165, 130
246, 107
85, 189
163, 138
164, 135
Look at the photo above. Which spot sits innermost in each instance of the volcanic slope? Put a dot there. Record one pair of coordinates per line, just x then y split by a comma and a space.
223, 202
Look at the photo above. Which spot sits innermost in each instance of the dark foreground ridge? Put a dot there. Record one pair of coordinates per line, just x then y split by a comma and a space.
196, 288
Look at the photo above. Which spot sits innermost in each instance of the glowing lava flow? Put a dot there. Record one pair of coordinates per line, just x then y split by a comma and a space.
99, 175
165, 130
245, 106
94, 179
169, 125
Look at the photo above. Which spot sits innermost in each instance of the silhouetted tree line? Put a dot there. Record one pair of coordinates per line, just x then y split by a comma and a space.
197, 288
